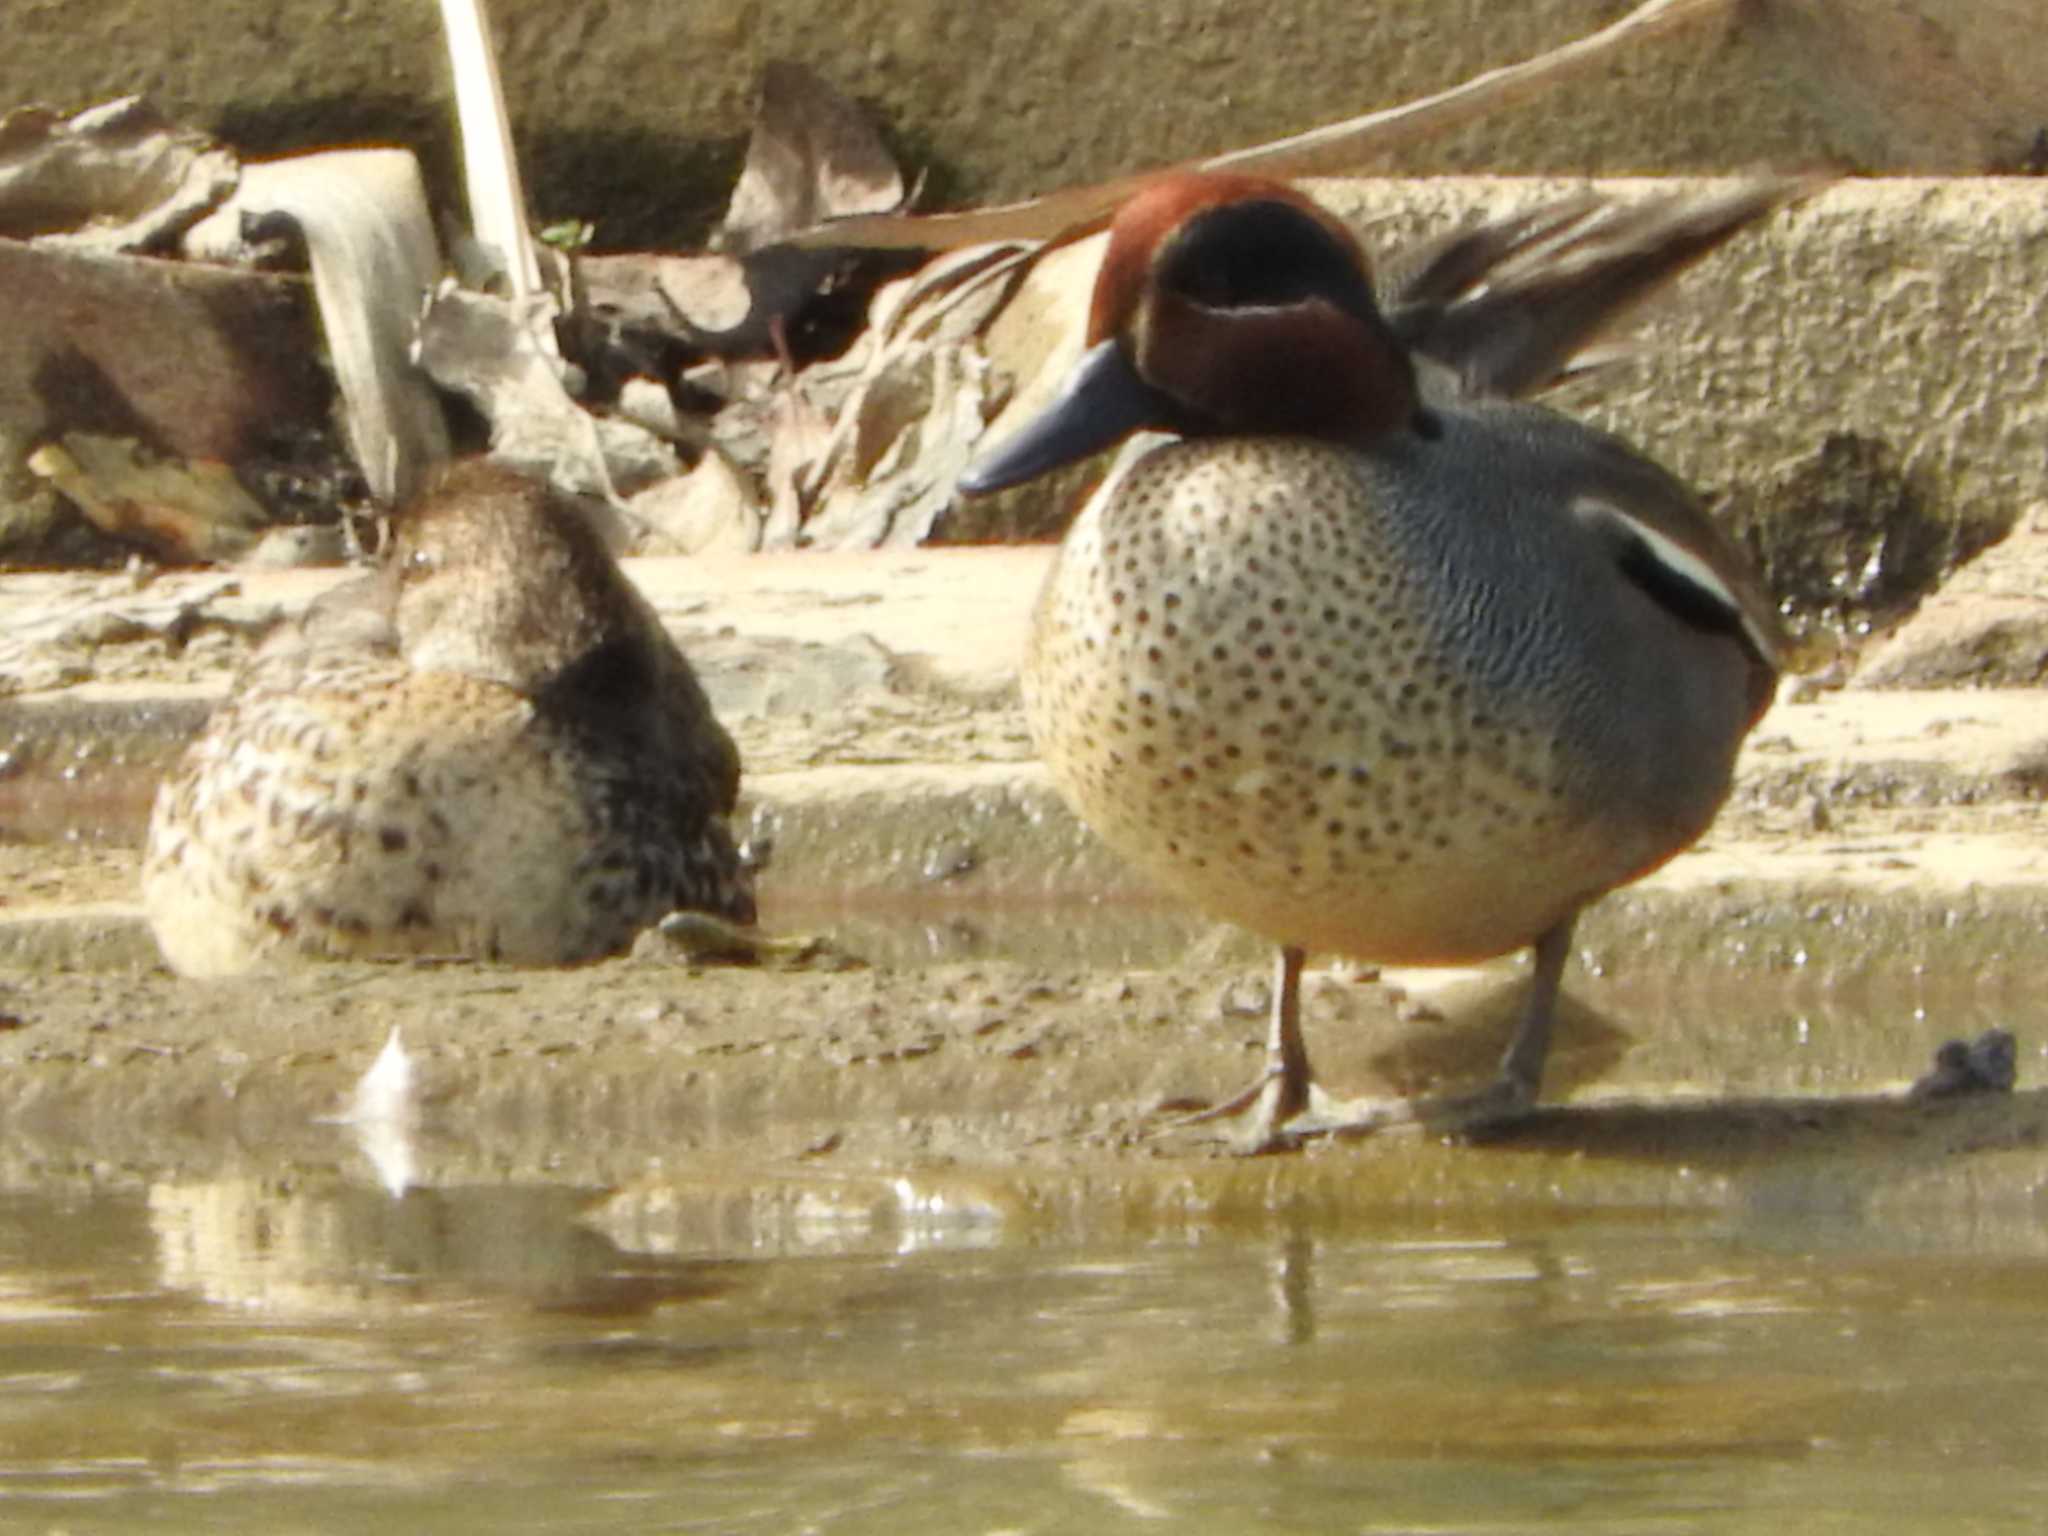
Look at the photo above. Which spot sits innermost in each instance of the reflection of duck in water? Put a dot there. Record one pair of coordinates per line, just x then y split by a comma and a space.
487, 747
1370, 658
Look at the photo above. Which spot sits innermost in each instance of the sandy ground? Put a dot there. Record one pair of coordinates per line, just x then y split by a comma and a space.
997, 1002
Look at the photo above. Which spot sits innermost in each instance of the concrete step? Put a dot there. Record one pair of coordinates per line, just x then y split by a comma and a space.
874, 699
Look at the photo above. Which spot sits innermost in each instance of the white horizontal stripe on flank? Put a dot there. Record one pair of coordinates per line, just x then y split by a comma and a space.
1677, 559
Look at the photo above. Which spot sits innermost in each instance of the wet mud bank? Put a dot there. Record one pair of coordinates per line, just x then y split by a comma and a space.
1014, 1094
999, 1014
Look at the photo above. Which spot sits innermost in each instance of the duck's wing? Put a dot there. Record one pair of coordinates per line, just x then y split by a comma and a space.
1510, 306
1663, 541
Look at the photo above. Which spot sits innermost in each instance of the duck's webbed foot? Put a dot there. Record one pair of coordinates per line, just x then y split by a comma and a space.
1474, 1115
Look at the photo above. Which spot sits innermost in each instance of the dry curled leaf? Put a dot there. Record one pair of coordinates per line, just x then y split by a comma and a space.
183, 510
484, 348
115, 178
906, 422
813, 156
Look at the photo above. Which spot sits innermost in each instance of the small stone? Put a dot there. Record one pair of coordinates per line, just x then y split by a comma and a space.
949, 859
1248, 997
1965, 1069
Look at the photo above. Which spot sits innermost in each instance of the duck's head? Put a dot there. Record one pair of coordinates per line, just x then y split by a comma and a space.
494, 574
1225, 305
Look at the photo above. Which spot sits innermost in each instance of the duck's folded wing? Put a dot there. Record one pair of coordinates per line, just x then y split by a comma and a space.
1663, 542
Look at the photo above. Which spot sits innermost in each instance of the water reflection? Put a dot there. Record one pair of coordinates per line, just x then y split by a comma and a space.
843, 1354
308, 1248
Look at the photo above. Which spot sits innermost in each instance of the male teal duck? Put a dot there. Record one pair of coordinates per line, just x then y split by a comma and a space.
488, 747
1370, 658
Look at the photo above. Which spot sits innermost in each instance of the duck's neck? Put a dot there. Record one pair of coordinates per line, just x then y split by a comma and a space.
1306, 369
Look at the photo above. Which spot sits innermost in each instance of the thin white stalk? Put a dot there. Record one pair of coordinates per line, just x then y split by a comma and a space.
1338, 148
497, 201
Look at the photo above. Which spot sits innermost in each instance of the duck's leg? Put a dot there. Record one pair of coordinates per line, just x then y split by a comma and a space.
1286, 1106
1286, 1087
1510, 1095
1514, 1088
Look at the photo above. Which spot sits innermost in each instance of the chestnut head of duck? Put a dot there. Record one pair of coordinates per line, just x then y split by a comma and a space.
1225, 305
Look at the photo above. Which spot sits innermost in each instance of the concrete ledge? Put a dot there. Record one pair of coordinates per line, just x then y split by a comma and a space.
892, 792
633, 113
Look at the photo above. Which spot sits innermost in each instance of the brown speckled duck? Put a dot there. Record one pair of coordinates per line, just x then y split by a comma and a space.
1372, 658
488, 747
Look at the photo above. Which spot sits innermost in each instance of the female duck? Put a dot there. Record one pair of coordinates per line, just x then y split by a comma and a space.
489, 747
1369, 660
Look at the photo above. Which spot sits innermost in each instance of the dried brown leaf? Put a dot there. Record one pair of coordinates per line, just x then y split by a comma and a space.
813, 156
709, 292
180, 509
483, 347
713, 509
117, 177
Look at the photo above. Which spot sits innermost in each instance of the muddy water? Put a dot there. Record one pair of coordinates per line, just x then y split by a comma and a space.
309, 1354
899, 1251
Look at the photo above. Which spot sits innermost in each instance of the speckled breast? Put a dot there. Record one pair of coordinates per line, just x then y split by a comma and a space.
1251, 681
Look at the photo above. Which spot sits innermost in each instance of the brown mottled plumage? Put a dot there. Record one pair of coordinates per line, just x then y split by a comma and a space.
487, 747
1367, 661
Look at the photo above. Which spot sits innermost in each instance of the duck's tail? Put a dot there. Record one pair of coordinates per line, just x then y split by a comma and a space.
1513, 306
